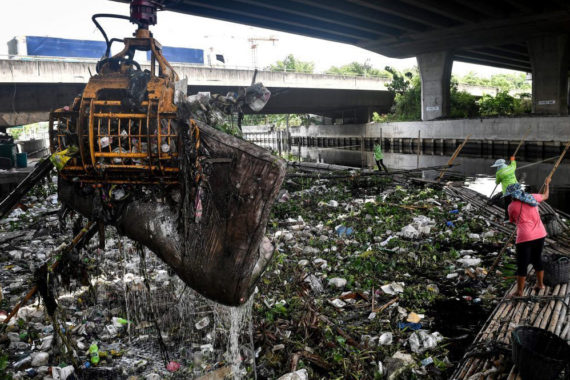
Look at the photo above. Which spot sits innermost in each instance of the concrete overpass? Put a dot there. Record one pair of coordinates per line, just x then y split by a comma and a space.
30, 88
524, 35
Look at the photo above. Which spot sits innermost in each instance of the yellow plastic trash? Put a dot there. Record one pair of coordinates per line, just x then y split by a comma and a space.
59, 159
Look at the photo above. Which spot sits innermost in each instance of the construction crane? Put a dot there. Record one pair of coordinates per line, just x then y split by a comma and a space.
254, 41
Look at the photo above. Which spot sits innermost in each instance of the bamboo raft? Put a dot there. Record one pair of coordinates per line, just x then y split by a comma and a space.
489, 356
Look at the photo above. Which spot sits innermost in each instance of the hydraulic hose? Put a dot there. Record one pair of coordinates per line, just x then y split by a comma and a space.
109, 15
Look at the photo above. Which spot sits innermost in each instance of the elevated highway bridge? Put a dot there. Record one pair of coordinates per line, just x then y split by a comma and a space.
31, 88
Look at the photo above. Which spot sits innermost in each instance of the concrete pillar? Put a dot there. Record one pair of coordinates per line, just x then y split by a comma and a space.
435, 72
549, 59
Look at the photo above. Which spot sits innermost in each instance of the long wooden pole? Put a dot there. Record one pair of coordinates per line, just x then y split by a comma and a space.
556, 164
492, 269
455, 154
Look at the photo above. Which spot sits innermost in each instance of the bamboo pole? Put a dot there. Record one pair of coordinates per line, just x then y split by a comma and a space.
455, 154
556, 313
562, 317
522, 141
556, 164
536, 307
544, 318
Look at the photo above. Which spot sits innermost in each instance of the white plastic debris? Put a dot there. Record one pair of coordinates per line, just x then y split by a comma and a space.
204, 348
393, 288
338, 303
385, 242
320, 263
337, 282
380, 368
59, 373
301, 374
474, 236
303, 263
314, 283
409, 232
406, 358
39, 359
204, 322
469, 262
385, 339
452, 275
421, 341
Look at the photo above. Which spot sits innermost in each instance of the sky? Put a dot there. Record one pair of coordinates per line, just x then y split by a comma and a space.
72, 19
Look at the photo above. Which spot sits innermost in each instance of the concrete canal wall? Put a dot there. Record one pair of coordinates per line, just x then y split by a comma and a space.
488, 136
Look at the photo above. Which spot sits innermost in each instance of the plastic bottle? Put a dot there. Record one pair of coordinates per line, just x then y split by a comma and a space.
94, 353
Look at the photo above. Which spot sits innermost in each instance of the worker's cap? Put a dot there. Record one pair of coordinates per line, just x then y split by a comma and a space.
500, 162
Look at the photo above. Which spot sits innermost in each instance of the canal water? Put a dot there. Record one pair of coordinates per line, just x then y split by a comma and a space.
476, 169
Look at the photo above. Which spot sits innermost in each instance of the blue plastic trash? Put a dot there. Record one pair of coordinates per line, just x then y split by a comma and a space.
450, 224
342, 230
456, 211
409, 325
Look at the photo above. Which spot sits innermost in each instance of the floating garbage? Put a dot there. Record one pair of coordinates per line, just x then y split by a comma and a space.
421, 341
393, 288
414, 318
467, 261
301, 374
337, 282
409, 232
59, 373
173, 366
338, 303
343, 231
409, 325
385, 242
385, 339
204, 322
94, 353
314, 283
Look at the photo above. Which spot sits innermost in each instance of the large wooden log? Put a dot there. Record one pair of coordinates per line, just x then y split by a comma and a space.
223, 254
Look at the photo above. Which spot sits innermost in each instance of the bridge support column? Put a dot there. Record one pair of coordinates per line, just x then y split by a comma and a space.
549, 59
435, 72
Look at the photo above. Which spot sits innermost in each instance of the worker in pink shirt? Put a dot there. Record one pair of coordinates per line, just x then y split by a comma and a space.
523, 212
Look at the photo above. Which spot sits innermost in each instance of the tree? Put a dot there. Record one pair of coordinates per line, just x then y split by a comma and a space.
292, 64
504, 82
358, 69
462, 104
499, 105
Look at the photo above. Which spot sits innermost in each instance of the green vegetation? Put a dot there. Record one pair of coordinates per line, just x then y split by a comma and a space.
406, 88
358, 69
504, 82
504, 104
36, 129
292, 64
